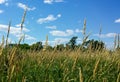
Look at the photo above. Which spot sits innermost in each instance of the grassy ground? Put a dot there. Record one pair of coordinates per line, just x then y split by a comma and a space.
59, 66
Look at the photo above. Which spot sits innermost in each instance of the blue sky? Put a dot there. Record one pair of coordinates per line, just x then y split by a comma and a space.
60, 19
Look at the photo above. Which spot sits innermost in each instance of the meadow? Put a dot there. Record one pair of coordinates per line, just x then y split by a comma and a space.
67, 65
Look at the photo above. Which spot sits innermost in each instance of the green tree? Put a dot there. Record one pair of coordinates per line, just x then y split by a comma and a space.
94, 45
72, 42
24, 46
60, 47
37, 46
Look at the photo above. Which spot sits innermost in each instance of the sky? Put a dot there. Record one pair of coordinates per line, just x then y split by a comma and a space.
60, 20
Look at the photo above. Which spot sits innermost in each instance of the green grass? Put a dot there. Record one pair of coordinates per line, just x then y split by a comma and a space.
56, 66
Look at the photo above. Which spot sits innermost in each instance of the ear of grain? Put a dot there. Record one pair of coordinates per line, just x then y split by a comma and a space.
95, 68
46, 43
100, 31
2, 46
118, 41
8, 33
115, 41
84, 27
23, 19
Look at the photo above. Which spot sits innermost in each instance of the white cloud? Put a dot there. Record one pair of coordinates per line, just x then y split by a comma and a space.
2, 1
16, 31
57, 41
108, 35
52, 1
1, 11
59, 15
62, 33
5, 2
48, 19
23, 6
51, 27
48, 1
19, 25
78, 31
117, 21
61, 40
28, 37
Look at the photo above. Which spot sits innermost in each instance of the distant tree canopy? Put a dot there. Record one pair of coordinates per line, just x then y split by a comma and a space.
60, 47
72, 42
90, 44
37, 46
94, 45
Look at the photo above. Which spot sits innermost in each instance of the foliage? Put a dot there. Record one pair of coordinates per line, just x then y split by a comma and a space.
36, 46
94, 45
72, 42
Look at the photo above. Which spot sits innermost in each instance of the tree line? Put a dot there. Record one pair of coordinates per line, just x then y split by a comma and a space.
71, 45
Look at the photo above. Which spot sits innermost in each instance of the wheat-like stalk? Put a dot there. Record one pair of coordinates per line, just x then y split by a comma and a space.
118, 41
118, 78
84, 27
46, 43
74, 64
8, 33
2, 46
115, 41
23, 19
100, 31
80, 75
11, 71
95, 68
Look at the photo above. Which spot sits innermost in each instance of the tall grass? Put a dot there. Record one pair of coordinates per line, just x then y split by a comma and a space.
58, 66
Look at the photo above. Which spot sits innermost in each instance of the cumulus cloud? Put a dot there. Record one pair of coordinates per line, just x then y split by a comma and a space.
52, 1
51, 27
117, 21
23, 6
49, 18
108, 35
1, 11
15, 31
62, 33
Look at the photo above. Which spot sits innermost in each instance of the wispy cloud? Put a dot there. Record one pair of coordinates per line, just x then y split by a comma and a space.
52, 1
28, 37
49, 18
68, 32
16, 31
51, 27
108, 35
117, 21
1, 11
23, 6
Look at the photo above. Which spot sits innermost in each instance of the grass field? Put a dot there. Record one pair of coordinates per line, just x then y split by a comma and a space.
18, 65
56, 66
